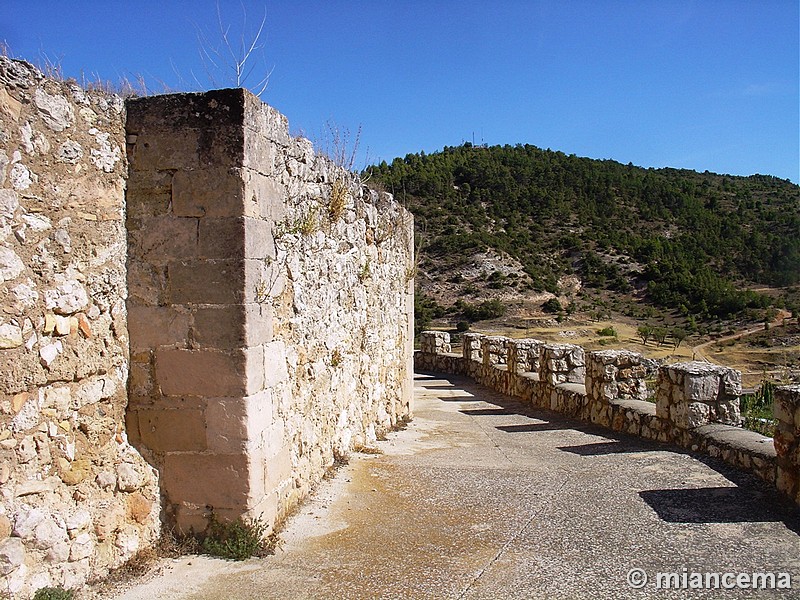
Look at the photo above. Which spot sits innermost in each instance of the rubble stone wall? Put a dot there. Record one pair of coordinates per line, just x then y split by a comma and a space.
76, 499
202, 283
696, 404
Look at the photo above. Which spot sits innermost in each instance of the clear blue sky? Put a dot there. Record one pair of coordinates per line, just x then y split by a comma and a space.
704, 84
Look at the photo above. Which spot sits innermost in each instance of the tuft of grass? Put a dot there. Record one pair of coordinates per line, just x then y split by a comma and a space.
236, 540
338, 200
365, 271
53, 593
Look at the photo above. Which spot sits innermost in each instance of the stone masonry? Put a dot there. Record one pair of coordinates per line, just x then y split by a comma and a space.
787, 439
695, 393
76, 499
270, 306
243, 312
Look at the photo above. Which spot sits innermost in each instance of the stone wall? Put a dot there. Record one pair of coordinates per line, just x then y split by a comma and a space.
76, 499
696, 404
787, 439
270, 306
243, 312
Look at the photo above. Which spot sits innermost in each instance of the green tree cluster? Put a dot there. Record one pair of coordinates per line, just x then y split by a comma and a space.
688, 241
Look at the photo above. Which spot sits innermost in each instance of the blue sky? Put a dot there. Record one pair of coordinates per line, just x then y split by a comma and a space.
699, 84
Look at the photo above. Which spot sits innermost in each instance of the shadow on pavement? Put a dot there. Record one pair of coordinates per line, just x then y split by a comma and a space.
718, 505
487, 412
602, 448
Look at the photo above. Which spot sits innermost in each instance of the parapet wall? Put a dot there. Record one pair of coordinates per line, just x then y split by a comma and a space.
696, 403
76, 499
243, 313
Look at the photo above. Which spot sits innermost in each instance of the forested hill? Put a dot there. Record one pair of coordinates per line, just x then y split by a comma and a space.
676, 238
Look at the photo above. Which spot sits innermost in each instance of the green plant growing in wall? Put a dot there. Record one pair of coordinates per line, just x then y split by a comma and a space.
365, 270
53, 593
338, 200
236, 540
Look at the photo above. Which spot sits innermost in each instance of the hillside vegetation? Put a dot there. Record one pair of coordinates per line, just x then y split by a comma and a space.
694, 243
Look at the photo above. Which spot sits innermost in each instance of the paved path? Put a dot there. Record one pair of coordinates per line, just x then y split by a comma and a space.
482, 497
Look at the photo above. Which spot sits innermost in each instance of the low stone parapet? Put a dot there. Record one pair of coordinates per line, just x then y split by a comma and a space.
692, 394
471, 347
524, 355
434, 342
787, 440
495, 350
616, 374
562, 363
697, 404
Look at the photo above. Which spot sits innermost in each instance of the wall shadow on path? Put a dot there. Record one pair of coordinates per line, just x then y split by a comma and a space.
735, 504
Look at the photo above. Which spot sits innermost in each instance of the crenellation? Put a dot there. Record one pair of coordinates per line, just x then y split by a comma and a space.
787, 439
692, 394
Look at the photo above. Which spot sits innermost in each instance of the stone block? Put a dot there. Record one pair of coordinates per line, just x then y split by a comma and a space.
278, 468
259, 324
215, 118
172, 430
147, 284
206, 282
259, 240
217, 480
156, 326
221, 326
221, 237
265, 197
209, 373
262, 154
208, 192
701, 387
264, 120
160, 239
156, 151
275, 366
787, 405
148, 194
238, 425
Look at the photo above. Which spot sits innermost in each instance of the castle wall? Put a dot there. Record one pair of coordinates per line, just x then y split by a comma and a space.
270, 306
76, 499
200, 315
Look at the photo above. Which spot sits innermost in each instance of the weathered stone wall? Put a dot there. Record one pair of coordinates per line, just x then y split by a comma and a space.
267, 294
787, 439
76, 499
696, 403
270, 306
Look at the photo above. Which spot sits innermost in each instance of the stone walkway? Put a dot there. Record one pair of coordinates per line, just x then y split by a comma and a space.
482, 497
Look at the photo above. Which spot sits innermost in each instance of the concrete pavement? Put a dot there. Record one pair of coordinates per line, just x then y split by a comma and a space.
483, 497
